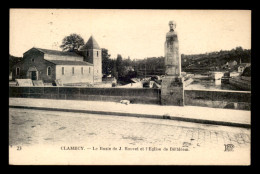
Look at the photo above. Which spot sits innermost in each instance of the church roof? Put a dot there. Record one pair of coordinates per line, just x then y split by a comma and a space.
59, 53
244, 64
91, 44
66, 62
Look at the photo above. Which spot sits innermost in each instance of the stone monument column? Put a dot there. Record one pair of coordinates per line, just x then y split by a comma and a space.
172, 92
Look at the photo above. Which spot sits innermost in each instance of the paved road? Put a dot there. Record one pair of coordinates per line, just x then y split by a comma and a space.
33, 127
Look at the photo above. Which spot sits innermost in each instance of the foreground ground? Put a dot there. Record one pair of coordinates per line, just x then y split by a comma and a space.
34, 127
65, 138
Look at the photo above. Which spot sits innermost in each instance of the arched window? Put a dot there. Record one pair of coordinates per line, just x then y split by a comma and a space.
97, 53
87, 54
17, 71
82, 70
72, 70
62, 70
89, 70
48, 71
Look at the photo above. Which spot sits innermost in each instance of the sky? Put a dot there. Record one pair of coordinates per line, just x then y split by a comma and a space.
132, 33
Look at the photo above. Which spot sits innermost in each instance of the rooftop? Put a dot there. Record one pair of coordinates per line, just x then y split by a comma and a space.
244, 64
91, 44
65, 62
59, 53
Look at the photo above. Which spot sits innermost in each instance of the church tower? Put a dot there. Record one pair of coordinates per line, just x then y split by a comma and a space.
92, 53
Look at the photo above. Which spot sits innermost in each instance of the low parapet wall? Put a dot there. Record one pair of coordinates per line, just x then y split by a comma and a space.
219, 99
216, 99
135, 95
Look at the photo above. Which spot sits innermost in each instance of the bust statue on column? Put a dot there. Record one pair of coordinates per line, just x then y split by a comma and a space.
172, 92
172, 62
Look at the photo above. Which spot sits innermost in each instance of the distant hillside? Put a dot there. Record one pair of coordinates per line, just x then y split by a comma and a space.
194, 63
215, 60
12, 61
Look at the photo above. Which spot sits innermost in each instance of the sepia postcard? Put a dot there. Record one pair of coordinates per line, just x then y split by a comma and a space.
129, 87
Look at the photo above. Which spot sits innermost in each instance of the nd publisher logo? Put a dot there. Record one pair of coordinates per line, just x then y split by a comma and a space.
229, 147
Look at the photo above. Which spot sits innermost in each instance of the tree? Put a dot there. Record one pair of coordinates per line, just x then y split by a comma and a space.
12, 61
107, 64
114, 70
119, 65
127, 62
239, 49
72, 42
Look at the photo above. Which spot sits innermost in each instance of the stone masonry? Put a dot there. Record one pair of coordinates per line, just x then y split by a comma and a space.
172, 85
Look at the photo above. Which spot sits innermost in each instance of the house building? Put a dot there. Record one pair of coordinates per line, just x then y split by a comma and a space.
84, 66
242, 67
229, 64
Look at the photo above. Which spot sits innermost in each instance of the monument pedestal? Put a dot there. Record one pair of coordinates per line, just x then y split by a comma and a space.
172, 92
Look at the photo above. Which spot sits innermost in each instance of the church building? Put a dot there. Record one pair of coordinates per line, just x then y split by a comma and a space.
83, 66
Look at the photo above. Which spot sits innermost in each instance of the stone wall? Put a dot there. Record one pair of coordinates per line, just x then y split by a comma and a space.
241, 82
96, 59
172, 92
77, 77
216, 99
135, 95
97, 62
34, 59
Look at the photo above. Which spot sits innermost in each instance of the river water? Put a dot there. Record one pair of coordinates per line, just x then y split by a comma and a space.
211, 85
